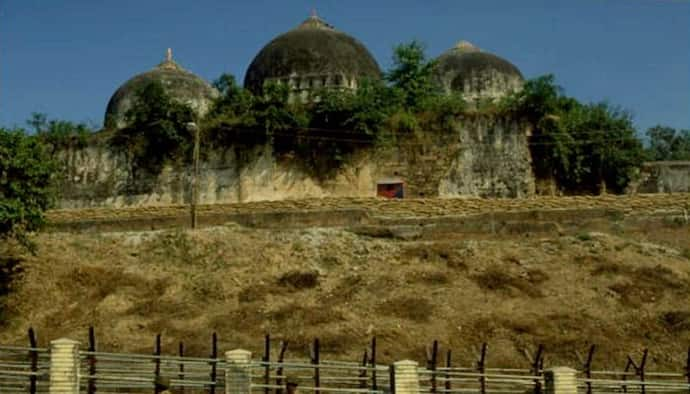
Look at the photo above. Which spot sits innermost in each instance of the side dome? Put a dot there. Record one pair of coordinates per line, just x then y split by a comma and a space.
476, 74
180, 84
313, 55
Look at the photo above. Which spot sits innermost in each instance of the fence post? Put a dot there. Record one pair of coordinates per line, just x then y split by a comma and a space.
64, 366
560, 380
405, 377
238, 379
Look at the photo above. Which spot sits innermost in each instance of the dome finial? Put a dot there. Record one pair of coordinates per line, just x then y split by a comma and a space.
168, 63
466, 46
315, 22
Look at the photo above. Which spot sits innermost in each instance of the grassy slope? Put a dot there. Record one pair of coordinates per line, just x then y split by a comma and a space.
623, 288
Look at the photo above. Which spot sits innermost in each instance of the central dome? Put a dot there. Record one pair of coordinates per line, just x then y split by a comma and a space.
311, 56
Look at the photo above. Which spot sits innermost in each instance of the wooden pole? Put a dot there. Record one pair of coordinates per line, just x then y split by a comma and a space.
363, 373
315, 361
432, 365
374, 383
92, 361
192, 127
481, 367
448, 365
536, 364
687, 368
640, 371
279, 373
157, 361
33, 355
625, 375
214, 363
588, 368
267, 366
181, 375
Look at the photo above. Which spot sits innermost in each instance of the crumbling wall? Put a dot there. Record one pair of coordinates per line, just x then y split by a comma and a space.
478, 156
663, 177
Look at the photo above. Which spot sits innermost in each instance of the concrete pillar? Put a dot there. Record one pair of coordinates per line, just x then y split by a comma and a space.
560, 380
238, 378
64, 366
405, 377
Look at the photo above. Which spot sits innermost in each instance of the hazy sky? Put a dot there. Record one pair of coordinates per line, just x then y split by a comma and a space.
66, 57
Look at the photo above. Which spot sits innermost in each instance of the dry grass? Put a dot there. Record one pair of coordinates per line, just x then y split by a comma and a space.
496, 278
450, 254
416, 309
514, 292
299, 280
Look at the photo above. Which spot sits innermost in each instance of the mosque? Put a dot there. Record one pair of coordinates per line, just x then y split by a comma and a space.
478, 155
314, 55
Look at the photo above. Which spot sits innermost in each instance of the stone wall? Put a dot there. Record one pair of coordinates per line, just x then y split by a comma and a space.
478, 157
663, 177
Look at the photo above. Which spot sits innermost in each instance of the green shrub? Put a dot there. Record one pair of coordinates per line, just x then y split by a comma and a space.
26, 184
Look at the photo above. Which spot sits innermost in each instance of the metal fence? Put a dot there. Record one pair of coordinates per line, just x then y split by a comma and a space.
604, 382
322, 377
469, 380
136, 373
24, 369
28, 370
317, 375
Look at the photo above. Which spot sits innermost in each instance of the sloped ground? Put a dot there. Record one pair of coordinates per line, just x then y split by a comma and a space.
622, 283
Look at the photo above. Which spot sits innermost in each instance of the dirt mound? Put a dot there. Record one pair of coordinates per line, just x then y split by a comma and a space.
622, 284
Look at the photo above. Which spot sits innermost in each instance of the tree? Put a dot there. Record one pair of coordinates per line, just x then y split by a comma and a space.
26, 184
364, 110
412, 74
607, 150
156, 129
57, 133
666, 143
581, 146
273, 111
234, 102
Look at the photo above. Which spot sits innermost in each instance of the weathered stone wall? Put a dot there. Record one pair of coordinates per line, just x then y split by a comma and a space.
663, 177
478, 157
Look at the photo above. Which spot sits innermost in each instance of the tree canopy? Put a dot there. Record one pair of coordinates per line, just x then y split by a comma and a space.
58, 133
582, 146
26, 184
157, 128
667, 143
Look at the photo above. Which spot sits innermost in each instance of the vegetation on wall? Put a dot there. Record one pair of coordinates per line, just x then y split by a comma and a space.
157, 129
583, 147
59, 134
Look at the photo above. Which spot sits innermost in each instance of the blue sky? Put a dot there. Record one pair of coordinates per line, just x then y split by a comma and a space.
66, 57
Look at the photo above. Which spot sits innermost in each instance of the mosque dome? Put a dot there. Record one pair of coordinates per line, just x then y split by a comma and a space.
476, 74
313, 55
179, 83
